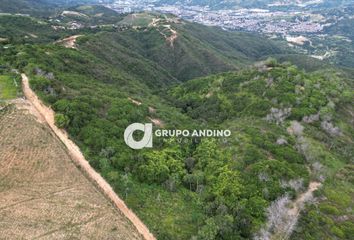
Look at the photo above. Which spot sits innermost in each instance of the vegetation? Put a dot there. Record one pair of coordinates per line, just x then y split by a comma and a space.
20, 29
266, 93
289, 127
223, 187
197, 51
25, 7
39, 8
90, 15
9, 87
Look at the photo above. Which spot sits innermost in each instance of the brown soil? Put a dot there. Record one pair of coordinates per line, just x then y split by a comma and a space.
174, 35
43, 195
297, 206
135, 101
157, 122
69, 42
303, 198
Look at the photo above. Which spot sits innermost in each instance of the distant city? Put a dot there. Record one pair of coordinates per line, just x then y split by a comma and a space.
250, 19
312, 27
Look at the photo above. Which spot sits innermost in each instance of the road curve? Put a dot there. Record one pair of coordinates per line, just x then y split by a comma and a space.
47, 115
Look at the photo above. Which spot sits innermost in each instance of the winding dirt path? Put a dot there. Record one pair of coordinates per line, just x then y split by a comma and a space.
47, 114
297, 206
173, 37
303, 198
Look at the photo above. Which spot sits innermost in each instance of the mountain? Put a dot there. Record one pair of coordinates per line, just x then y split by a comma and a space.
183, 49
291, 146
40, 7
158, 50
25, 6
88, 15
283, 126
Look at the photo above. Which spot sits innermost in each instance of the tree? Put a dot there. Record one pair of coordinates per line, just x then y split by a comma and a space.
209, 231
163, 165
194, 180
227, 187
61, 120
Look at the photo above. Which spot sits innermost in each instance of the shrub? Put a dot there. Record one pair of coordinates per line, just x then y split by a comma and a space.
61, 120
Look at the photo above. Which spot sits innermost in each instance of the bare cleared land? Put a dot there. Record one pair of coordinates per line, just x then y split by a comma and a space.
69, 42
43, 195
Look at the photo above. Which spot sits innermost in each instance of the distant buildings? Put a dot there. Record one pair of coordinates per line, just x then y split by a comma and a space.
253, 20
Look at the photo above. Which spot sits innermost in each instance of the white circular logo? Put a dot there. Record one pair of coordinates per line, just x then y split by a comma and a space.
145, 142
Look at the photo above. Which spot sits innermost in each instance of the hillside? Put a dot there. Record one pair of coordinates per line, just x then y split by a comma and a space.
182, 49
84, 105
285, 172
157, 50
42, 8
21, 29
291, 129
25, 7
298, 122
44, 194
88, 15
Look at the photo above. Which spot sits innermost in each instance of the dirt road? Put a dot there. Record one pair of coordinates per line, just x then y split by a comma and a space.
173, 37
48, 116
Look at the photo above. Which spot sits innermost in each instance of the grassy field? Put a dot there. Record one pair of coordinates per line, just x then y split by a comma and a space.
8, 87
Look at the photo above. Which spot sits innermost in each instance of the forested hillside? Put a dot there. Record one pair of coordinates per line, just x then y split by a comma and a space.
291, 129
182, 49
39, 7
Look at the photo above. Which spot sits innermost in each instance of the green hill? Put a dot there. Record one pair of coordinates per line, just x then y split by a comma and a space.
223, 188
89, 15
43, 8
33, 7
271, 102
162, 52
183, 49
25, 29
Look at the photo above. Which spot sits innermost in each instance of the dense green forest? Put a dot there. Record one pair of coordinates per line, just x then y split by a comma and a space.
199, 50
251, 95
290, 126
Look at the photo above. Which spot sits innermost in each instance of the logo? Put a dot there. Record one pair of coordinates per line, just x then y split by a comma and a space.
145, 142
188, 135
